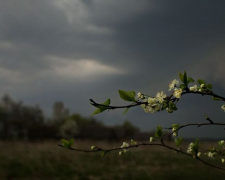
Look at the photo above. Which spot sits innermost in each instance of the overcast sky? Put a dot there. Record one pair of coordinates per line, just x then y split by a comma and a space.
73, 50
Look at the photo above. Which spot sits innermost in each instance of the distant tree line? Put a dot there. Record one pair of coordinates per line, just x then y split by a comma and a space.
23, 122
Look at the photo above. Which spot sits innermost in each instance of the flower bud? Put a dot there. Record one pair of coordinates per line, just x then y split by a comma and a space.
223, 107
199, 154
175, 134
139, 95
94, 148
151, 139
121, 153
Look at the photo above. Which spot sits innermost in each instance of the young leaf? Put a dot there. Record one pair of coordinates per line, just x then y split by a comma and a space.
103, 153
178, 141
132, 142
172, 106
126, 110
71, 141
181, 77
65, 143
164, 106
97, 111
100, 108
209, 86
127, 95
200, 81
159, 132
183, 86
196, 146
185, 78
216, 99
190, 80
107, 103
175, 126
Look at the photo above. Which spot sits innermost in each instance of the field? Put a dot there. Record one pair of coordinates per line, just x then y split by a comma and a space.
47, 161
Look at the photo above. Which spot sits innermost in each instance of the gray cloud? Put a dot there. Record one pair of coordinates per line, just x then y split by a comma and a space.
129, 44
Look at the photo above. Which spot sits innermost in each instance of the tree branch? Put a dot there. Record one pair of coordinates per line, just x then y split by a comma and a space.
138, 103
116, 107
162, 144
210, 123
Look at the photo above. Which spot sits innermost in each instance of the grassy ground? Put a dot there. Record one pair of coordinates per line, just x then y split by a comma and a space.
35, 161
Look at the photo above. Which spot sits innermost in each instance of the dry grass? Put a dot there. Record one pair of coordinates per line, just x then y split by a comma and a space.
45, 160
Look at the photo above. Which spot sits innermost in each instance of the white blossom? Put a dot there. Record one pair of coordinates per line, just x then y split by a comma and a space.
93, 147
223, 107
177, 92
199, 154
151, 139
152, 101
191, 144
173, 84
160, 96
190, 148
139, 95
175, 134
211, 154
152, 108
121, 153
124, 145
194, 88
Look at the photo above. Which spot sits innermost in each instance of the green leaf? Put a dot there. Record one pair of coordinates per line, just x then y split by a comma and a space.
190, 80
100, 108
175, 126
178, 141
164, 106
159, 132
181, 77
185, 78
183, 86
71, 141
127, 95
172, 106
220, 143
97, 111
132, 142
65, 143
200, 81
216, 99
126, 110
196, 146
209, 86
103, 153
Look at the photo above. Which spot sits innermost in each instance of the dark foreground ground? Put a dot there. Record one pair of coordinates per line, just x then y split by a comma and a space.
46, 160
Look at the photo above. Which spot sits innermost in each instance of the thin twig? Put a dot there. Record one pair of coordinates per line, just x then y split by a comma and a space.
162, 144
138, 103
116, 107
196, 124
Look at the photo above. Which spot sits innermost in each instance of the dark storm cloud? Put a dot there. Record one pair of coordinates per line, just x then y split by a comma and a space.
180, 32
107, 45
